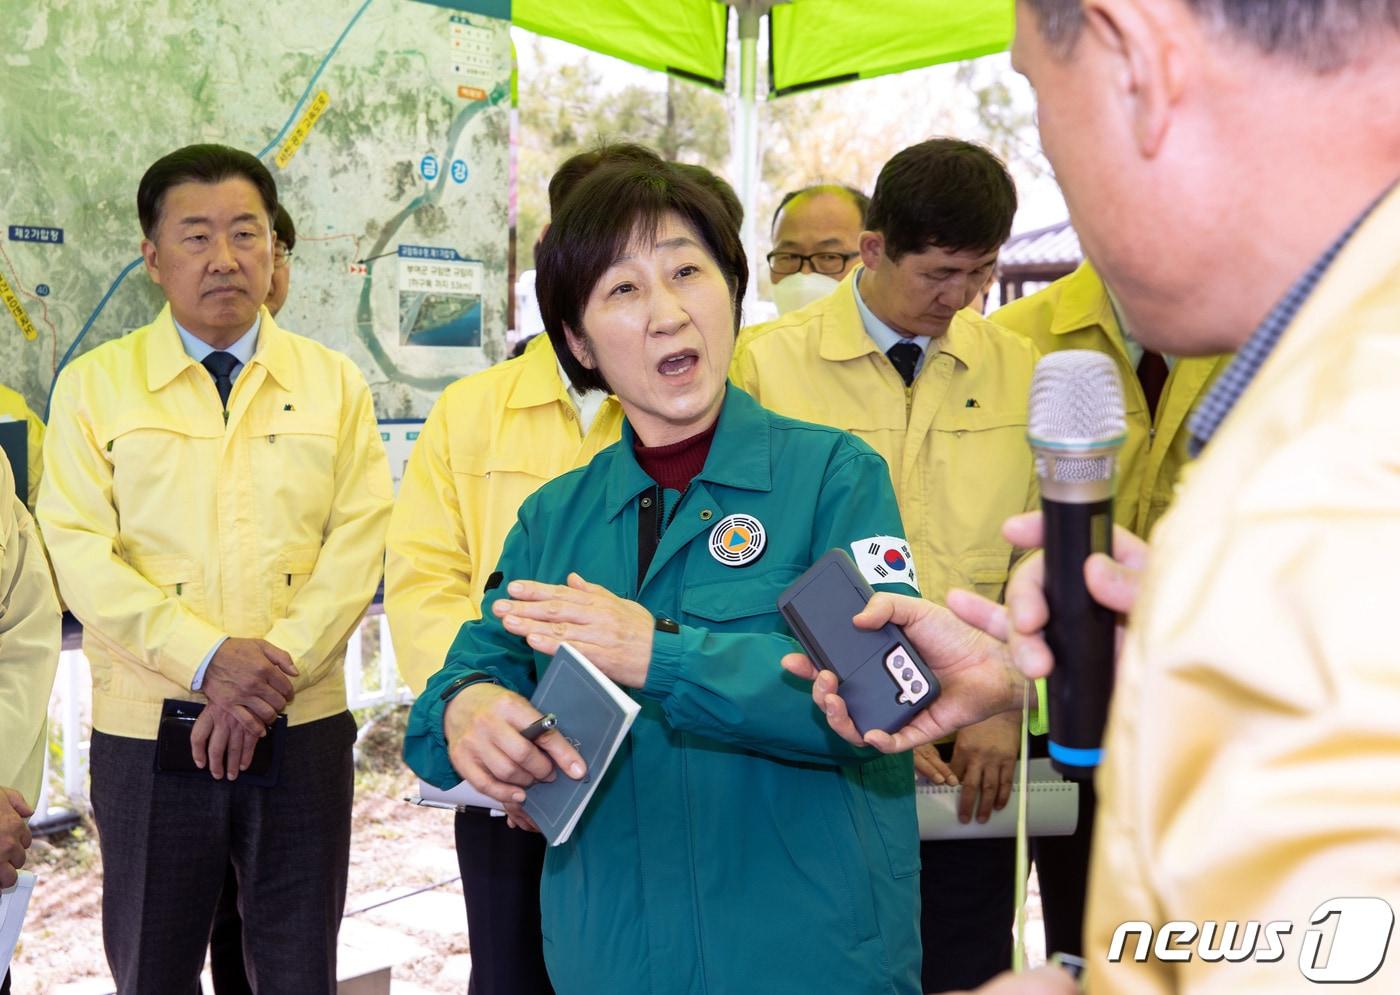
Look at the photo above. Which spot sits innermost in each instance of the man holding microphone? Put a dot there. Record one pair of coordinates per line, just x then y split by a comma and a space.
1252, 748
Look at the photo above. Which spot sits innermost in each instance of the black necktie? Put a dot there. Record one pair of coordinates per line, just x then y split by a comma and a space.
220, 365
905, 357
1152, 374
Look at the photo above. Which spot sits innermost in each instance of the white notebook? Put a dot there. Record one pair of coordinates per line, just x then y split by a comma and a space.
1052, 808
461, 796
13, 904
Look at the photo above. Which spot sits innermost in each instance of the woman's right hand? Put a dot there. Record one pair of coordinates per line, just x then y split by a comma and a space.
482, 725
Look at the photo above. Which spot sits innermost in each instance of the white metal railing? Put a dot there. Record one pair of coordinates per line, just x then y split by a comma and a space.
390, 689
70, 706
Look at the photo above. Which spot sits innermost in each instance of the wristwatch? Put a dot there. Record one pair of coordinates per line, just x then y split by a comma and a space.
664, 624
466, 681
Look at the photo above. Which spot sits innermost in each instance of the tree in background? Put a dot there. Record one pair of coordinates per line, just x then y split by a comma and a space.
572, 99
568, 108
845, 133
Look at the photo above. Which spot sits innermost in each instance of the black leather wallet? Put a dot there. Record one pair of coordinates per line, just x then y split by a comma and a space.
174, 755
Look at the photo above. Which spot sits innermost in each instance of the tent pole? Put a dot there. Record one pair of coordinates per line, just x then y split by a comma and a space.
746, 141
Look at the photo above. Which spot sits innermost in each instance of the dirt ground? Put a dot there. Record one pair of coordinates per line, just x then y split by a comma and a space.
403, 905
397, 849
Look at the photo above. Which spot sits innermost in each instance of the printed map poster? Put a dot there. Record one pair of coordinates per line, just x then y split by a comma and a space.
384, 122
439, 297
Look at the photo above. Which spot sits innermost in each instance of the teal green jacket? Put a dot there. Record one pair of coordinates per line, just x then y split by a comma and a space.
736, 844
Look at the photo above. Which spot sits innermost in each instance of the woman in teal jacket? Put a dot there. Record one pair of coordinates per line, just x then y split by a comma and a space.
735, 844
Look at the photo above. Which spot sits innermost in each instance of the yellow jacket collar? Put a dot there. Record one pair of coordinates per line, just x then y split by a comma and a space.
843, 333
274, 353
844, 336
539, 382
1367, 261
166, 358
964, 339
1083, 304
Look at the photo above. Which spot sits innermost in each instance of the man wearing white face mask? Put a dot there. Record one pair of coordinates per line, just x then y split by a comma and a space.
816, 232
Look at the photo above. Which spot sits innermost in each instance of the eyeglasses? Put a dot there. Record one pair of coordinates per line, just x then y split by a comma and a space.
281, 255
826, 263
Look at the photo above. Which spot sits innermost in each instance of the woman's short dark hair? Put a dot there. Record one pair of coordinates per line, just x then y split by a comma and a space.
200, 164
721, 188
573, 170
597, 223
942, 193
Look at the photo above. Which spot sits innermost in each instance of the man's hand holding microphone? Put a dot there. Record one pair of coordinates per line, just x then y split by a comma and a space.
982, 652
1067, 599
1068, 593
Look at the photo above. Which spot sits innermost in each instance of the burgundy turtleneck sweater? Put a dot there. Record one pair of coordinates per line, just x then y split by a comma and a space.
675, 465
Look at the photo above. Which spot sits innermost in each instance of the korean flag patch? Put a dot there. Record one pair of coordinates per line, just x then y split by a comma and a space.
885, 560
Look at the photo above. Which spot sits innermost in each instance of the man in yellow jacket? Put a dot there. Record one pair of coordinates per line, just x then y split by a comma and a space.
227, 971
29, 642
1247, 797
1159, 392
13, 409
894, 356
491, 440
214, 501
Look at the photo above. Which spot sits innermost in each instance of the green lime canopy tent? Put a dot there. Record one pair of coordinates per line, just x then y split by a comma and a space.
811, 43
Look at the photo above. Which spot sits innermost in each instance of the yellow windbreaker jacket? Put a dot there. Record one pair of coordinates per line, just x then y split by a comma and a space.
29, 643
170, 526
1252, 761
1074, 312
955, 441
491, 440
12, 406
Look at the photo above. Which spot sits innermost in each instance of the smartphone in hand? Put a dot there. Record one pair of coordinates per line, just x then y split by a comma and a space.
884, 681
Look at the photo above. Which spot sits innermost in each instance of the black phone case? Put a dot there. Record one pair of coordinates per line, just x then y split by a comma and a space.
884, 681
173, 754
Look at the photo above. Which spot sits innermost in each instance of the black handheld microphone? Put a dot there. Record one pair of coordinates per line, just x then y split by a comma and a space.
1076, 428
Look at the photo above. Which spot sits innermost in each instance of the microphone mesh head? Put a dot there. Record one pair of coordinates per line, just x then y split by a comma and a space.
1077, 401
1076, 421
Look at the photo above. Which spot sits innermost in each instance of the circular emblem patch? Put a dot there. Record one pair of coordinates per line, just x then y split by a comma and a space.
737, 540
893, 560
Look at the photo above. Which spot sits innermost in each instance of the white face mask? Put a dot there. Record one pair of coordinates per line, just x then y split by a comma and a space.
801, 289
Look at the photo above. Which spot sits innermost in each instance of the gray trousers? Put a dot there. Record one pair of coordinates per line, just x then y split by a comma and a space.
167, 839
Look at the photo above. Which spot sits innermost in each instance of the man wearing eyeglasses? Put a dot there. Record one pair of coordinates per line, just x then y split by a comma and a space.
895, 356
815, 236
284, 235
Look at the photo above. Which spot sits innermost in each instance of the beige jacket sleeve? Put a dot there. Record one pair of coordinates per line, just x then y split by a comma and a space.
29, 643
1252, 763
36, 457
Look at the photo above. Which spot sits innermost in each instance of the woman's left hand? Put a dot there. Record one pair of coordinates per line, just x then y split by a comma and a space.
614, 633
